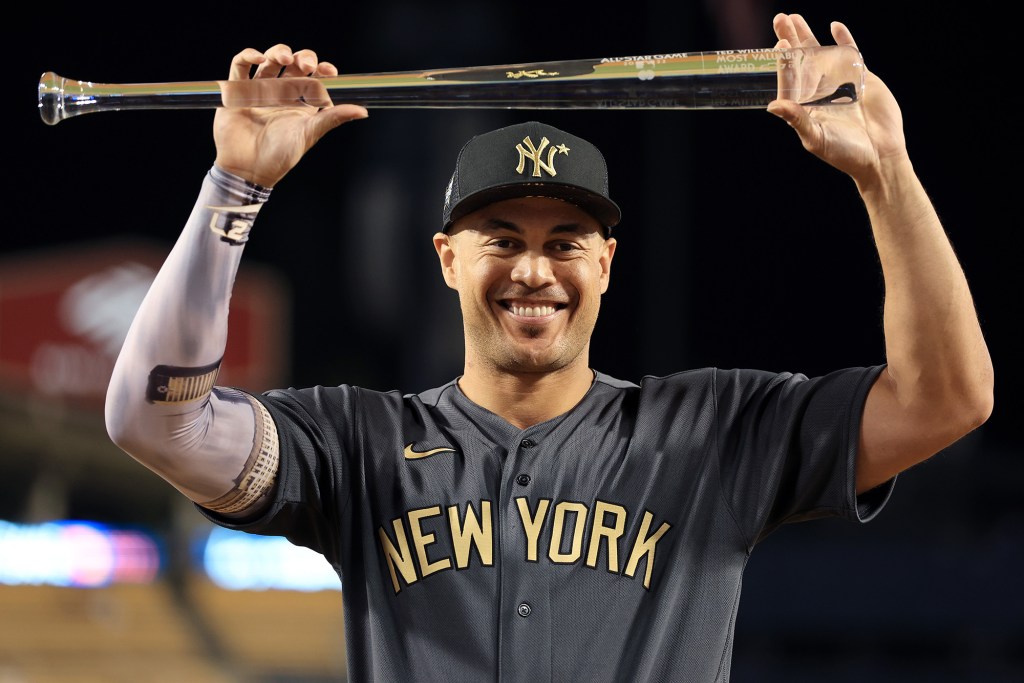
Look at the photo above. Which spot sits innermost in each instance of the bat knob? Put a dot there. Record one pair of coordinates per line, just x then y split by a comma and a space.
51, 98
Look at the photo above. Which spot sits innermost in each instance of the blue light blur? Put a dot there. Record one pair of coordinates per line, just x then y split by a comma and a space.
79, 554
239, 561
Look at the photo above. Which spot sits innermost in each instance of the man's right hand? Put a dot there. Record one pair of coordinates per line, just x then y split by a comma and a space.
261, 144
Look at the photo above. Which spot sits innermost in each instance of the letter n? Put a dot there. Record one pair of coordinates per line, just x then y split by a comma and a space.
398, 558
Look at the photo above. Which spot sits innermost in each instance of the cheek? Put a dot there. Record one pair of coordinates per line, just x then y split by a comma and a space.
589, 281
477, 279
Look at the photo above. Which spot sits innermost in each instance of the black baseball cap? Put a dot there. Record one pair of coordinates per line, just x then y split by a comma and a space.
529, 159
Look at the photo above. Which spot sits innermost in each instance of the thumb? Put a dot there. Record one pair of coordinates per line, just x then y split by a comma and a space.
330, 118
798, 119
790, 112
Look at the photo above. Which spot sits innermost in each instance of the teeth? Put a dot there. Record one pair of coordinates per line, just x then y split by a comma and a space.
531, 311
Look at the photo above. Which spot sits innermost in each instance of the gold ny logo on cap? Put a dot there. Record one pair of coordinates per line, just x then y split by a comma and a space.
534, 155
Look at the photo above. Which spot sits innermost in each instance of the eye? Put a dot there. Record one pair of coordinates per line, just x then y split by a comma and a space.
502, 243
565, 247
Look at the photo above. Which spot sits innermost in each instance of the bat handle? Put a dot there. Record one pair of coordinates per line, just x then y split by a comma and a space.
61, 98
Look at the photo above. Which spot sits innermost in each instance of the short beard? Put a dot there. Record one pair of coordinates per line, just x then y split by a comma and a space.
516, 361
493, 349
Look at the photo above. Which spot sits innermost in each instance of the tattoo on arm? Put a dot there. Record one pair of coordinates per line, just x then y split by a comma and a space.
172, 384
257, 477
233, 223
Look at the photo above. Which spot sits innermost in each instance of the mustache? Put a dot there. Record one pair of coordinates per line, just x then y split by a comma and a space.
549, 293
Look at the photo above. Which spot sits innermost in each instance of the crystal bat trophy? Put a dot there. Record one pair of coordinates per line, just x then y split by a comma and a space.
725, 79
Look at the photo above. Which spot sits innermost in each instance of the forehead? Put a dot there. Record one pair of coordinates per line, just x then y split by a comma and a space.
529, 214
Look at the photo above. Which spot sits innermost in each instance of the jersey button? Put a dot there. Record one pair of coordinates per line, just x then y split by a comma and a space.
524, 609
527, 443
523, 479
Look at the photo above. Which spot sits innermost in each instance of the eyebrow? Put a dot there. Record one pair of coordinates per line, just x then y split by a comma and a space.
499, 224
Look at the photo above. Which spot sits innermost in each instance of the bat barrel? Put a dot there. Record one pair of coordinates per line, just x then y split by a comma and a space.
728, 79
739, 91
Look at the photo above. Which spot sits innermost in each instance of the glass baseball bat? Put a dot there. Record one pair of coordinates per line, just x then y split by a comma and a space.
725, 79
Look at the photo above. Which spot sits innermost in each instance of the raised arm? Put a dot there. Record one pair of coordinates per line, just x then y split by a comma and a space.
215, 445
938, 384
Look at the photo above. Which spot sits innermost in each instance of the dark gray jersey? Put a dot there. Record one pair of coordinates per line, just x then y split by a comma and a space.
607, 544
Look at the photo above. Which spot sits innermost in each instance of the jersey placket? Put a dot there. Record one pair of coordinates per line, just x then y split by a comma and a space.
525, 607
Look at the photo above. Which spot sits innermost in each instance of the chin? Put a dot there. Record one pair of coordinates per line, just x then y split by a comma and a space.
531, 368
536, 360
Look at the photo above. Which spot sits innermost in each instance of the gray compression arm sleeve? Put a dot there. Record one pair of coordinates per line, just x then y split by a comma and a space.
162, 407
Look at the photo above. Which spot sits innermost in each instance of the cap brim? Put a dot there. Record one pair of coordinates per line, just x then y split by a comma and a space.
604, 210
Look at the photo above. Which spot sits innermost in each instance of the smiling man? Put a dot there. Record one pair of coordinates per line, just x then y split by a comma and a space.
525, 244
535, 519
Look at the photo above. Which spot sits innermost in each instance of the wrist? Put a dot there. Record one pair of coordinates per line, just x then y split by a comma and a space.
887, 179
238, 189
233, 203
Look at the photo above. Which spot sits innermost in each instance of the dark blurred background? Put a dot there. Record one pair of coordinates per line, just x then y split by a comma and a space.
737, 249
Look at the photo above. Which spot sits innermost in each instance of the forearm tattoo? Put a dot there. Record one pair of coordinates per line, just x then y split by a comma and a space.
170, 384
233, 223
257, 476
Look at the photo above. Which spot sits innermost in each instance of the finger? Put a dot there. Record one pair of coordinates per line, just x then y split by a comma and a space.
805, 37
842, 34
325, 69
242, 63
303, 64
278, 57
785, 77
783, 27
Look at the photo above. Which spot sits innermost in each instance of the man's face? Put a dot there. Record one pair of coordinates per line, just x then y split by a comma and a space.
530, 273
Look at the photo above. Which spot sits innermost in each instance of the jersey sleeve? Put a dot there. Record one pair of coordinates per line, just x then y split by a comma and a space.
311, 489
787, 447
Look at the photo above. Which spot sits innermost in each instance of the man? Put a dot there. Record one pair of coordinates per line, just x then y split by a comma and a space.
535, 519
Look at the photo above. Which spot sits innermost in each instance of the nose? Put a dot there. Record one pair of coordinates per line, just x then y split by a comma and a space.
533, 270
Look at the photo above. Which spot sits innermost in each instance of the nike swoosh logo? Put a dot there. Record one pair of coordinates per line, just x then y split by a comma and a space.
410, 454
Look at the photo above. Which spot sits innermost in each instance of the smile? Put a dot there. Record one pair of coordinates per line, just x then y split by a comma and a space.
532, 309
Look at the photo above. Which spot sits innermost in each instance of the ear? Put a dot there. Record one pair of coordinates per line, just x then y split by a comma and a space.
446, 255
605, 259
